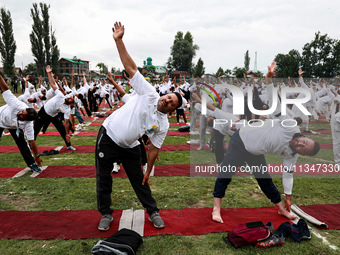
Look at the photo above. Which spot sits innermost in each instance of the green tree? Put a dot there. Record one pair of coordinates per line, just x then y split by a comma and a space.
43, 41
7, 42
228, 72
102, 68
30, 69
246, 60
55, 52
182, 52
317, 57
239, 71
288, 64
113, 70
199, 68
336, 54
220, 71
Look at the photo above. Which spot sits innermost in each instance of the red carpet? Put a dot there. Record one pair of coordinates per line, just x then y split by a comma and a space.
56, 133
91, 148
329, 214
189, 221
168, 170
321, 131
90, 171
9, 172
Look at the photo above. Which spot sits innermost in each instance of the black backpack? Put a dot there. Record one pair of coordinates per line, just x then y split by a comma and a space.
125, 240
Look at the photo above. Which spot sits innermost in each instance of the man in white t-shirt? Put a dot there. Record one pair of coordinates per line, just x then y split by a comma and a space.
249, 145
18, 118
51, 110
144, 113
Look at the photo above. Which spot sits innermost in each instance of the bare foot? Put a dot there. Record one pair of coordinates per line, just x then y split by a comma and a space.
199, 148
287, 214
216, 216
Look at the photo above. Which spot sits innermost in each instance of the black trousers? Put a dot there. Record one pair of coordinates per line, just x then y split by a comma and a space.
108, 152
236, 156
86, 106
219, 147
22, 145
45, 119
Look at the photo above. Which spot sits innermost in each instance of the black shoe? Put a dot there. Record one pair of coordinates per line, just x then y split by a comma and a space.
295, 233
283, 229
274, 240
270, 227
303, 230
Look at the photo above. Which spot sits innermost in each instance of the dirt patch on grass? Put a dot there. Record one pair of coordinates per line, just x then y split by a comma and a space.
21, 203
255, 196
200, 204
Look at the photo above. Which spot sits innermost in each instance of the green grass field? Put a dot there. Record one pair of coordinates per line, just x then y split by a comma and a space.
51, 194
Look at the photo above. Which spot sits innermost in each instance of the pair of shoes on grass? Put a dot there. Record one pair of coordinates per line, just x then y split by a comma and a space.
106, 220
298, 232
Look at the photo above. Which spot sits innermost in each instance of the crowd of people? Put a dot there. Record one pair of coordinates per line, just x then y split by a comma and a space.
143, 119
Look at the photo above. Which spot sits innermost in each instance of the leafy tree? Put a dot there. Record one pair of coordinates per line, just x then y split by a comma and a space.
30, 69
43, 41
317, 57
113, 70
102, 68
288, 64
220, 71
239, 71
55, 52
182, 52
246, 60
336, 54
228, 72
7, 42
199, 68
258, 73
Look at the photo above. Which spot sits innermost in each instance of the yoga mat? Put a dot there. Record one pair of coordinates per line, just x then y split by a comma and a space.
172, 170
91, 148
83, 224
70, 224
328, 213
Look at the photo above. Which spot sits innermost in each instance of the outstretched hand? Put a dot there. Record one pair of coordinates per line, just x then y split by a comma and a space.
118, 31
109, 76
271, 70
48, 69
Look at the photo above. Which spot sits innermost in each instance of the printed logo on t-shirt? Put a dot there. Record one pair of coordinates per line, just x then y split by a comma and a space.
152, 129
58, 110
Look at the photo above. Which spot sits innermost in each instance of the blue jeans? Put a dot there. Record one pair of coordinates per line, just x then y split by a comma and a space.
77, 113
237, 156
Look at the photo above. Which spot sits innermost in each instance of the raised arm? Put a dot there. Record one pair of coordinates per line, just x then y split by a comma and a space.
3, 84
270, 73
118, 88
26, 81
50, 77
128, 63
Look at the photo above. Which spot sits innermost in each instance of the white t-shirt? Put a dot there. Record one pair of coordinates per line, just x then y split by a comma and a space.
56, 105
137, 117
9, 118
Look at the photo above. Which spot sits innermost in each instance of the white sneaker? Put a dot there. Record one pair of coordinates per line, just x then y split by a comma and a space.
116, 168
71, 148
